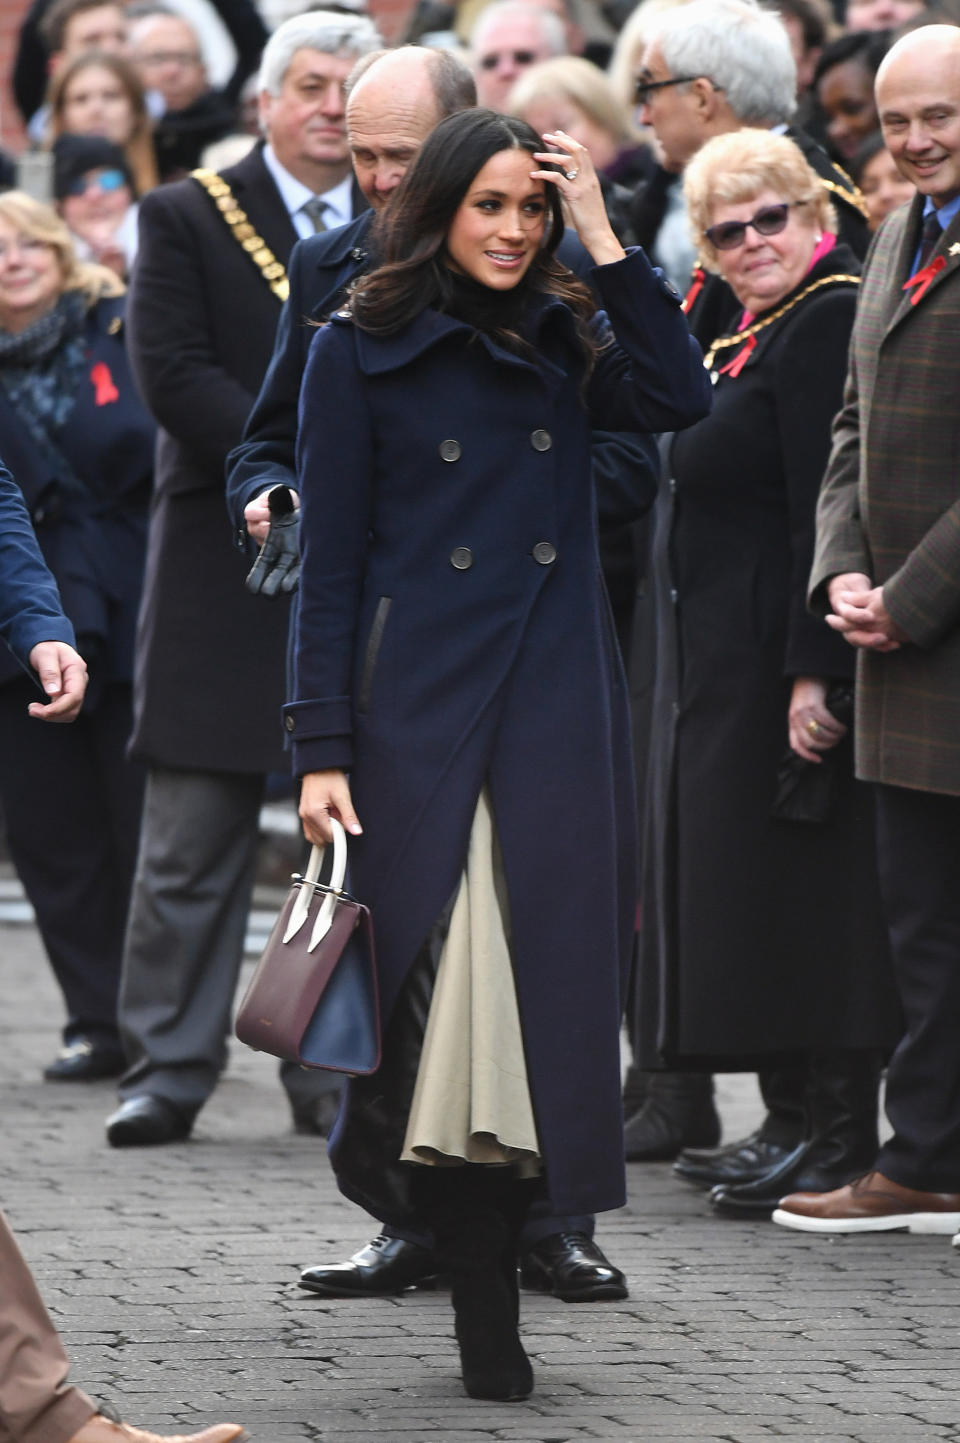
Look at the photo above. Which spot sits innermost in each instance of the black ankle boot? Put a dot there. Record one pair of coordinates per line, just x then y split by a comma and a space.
843, 1096
679, 1112
475, 1214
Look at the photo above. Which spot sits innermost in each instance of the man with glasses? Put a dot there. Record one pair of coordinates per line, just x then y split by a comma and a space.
710, 67
166, 51
508, 38
714, 66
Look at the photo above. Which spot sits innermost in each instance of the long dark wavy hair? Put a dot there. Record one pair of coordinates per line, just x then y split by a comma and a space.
410, 236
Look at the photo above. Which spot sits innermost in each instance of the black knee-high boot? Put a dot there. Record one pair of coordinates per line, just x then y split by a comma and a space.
475, 1214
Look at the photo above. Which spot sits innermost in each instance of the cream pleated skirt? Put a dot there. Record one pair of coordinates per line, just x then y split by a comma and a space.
471, 1102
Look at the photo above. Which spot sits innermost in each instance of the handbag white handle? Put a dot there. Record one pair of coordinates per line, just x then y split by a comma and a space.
300, 908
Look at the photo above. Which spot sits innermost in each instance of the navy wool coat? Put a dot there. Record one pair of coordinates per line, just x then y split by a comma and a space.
452, 629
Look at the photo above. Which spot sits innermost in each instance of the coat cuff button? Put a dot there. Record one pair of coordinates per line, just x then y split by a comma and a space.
450, 450
541, 440
545, 553
461, 558
289, 723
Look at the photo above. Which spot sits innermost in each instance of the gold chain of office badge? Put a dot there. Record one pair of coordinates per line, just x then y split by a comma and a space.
272, 270
737, 340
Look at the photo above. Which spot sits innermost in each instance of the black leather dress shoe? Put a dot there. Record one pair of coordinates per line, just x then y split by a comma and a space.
738, 1162
382, 1269
315, 1116
83, 1061
800, 1171
146, 1121
571, 1267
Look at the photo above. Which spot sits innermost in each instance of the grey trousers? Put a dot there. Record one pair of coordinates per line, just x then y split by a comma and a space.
37, 1404
184, 942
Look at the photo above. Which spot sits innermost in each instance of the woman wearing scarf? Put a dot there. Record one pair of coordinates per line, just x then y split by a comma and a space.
80, 446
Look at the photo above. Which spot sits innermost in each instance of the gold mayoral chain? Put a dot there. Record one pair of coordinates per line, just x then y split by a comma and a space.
748, 331
270, 268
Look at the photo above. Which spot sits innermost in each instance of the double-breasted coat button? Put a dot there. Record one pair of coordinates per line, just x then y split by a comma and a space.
461, 557
289, 723
541, 440
450, 450
545, 553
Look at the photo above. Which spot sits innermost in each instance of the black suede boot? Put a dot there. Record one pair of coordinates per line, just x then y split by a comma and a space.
843, 1096
679, 1112
475, 1214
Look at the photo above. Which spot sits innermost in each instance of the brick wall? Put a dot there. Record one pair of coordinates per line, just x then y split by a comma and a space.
11, 14
389, 14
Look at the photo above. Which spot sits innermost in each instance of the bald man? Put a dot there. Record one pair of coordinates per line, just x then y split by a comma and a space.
886, 575
395, 100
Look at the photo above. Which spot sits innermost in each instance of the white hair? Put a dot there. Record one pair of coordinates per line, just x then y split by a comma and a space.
551, 26
744, 50
346, 36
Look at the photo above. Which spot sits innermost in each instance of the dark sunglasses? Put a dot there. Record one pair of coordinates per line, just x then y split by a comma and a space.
771, 220
519, 57
643, 89
106, 180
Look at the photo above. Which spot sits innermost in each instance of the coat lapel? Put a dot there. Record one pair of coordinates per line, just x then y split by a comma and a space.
904, 250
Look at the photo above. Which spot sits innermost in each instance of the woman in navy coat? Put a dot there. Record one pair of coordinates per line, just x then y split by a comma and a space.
455, 655
80, 446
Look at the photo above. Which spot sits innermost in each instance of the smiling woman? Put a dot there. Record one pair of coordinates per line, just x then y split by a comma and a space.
488, 710
750, 915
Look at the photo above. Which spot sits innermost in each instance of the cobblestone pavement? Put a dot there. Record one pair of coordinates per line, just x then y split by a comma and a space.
172, 1275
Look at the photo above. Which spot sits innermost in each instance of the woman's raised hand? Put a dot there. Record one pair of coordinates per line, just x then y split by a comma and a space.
579, 188
322, 796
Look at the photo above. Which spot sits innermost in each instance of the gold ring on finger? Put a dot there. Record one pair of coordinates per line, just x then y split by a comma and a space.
813, 726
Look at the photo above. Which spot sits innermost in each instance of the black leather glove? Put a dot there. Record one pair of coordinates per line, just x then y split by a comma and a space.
276, 570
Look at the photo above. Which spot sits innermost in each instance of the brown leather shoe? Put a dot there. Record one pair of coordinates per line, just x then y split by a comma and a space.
870, 1204
102, 1430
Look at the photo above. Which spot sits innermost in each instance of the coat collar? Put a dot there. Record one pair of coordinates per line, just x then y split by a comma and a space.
379, 354
904, 226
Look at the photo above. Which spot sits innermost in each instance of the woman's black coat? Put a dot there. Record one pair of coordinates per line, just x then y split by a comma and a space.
758, 936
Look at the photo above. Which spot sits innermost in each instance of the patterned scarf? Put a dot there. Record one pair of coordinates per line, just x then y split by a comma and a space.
40, 372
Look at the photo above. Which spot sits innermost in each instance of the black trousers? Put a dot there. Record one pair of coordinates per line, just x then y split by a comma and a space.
918, 846
72, 804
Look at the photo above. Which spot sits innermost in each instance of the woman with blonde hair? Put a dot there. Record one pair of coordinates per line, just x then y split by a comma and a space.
80, 446
762, 943
100, 94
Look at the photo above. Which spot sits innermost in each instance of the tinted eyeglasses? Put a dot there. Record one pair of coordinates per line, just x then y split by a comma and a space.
519, 57
103, 180
771, 220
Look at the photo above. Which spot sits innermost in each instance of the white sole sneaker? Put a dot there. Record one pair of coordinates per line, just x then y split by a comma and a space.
941, 1224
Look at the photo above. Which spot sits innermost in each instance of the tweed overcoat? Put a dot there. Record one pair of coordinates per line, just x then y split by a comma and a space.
452, 629
201, 321
890, 506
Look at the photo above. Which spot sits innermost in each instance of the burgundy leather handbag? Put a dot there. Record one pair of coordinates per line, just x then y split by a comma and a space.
313, 997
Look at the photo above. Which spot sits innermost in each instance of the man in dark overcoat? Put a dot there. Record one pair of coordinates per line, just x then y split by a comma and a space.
204, 305
559, 1253
887, 574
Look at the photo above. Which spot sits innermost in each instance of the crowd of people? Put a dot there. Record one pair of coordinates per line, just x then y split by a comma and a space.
604, 357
